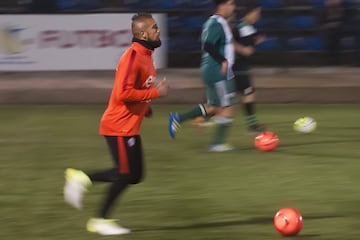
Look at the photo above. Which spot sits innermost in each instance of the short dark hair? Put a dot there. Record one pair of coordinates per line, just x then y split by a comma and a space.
140, 16
218, 2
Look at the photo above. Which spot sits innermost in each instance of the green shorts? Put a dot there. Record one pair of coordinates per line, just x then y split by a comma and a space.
220, 89
221, 93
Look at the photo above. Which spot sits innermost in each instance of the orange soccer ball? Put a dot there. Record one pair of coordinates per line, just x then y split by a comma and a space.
288, 221
266, 141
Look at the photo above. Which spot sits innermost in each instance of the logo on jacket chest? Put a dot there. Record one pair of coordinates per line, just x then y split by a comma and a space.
149, 81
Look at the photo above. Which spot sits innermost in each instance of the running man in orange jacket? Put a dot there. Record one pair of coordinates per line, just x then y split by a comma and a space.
120, 125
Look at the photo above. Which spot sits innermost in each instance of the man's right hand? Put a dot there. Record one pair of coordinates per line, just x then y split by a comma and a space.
162, 87
244, 50
224, 67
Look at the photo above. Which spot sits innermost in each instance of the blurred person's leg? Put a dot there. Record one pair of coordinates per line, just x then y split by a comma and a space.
176, 118
244, 86
222, 96
127, 155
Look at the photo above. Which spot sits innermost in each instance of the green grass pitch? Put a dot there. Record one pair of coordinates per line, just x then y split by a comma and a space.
188, 194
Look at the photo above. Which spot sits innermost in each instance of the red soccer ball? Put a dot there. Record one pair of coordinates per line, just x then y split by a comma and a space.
288, 221
266, 141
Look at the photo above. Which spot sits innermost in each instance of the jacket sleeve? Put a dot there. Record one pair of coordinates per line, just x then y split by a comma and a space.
126, 79
211, 40
211, 49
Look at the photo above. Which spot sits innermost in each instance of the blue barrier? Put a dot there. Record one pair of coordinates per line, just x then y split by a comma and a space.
165, 4
205, 4
348, 43
194, 22
76, 4
317, 3
184, 44
271, 4
275, 22
270, 43
302, 22
310, 43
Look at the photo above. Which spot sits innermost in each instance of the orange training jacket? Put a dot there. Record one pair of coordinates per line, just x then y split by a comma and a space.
132, 93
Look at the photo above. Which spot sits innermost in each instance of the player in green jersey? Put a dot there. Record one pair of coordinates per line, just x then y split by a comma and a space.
246, 37
216, 72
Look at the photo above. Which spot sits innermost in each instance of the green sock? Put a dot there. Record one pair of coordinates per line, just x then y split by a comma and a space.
221, 132
193, 113
249, 110
250, 120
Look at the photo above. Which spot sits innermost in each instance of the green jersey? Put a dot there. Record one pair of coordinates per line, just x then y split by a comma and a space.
217, 32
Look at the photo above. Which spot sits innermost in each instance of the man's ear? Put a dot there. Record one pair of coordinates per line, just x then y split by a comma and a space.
143, 35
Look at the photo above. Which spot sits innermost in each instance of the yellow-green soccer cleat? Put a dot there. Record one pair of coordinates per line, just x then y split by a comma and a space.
105, 227
76, 183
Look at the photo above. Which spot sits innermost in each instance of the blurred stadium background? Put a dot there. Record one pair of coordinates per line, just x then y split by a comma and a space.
188, 193
293, 27
294, 54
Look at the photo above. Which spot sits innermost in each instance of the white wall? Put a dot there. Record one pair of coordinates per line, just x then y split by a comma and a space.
69, 42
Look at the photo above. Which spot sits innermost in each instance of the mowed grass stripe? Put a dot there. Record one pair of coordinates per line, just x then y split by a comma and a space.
187, 193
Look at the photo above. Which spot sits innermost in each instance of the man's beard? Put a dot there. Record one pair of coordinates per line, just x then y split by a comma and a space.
155, 44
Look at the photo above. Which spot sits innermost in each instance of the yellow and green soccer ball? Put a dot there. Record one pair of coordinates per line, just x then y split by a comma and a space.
305, 125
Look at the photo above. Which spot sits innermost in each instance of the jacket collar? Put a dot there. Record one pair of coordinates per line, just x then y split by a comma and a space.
143, 45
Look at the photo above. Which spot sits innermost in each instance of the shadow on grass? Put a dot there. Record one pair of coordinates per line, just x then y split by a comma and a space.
288, 146
316, 142
251, 221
